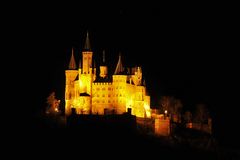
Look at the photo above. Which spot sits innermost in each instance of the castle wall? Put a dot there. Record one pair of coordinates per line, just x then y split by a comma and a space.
85, 83
202, 127
82, 104
162, 126
69, 89
113, 97
137, 100
119, 93
102, 97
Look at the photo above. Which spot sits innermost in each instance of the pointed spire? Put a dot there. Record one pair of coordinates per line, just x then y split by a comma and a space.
80, 63
103, 56
87, 46
94, 64
72, 64
119, 68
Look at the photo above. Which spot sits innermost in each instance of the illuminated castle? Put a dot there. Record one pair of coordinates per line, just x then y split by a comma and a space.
90, 93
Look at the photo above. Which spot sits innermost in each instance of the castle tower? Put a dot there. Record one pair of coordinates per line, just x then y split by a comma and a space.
103, 67
87, 74
87, 57
71, 75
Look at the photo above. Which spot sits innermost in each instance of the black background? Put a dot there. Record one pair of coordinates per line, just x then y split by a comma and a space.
185, 50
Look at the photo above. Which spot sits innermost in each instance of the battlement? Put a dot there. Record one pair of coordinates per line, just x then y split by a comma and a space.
102, 83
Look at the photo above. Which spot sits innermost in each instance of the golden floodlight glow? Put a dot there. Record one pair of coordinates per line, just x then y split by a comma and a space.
147, 110
115, 93
124, 91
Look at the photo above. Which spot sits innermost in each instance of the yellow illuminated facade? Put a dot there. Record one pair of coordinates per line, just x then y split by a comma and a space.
100, 94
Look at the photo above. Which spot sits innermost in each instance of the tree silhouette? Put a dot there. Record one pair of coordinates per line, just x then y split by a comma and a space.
52, 103
172, 105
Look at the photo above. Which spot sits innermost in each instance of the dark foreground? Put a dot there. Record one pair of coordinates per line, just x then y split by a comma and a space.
47, 138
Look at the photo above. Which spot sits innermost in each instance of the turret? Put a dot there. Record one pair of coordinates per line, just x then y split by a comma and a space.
103, 67
71, 75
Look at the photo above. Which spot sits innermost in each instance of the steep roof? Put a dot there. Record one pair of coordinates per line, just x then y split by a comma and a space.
119, 68
72, 63
87, 46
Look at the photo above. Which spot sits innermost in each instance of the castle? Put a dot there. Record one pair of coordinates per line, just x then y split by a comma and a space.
101, 94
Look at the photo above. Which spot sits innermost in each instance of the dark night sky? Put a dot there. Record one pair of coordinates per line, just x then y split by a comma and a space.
184, 51
178, 49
